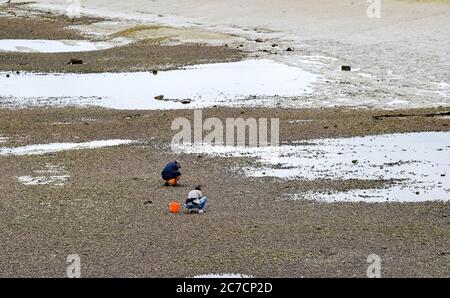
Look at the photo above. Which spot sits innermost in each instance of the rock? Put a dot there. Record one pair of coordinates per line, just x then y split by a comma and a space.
148, 202
159, 97
186, 101
417, 192
355, 161
18, 72
259, 40
75, 61
274, 45
346, 68
155, 72
7, 75
290, 49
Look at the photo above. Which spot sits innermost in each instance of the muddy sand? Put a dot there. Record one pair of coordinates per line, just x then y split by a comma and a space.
103, 211
112, 208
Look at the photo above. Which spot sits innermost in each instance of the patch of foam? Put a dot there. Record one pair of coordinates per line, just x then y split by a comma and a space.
53, 46
223, 275
47, 177
419, 161
247, 82
303, 121
57, 147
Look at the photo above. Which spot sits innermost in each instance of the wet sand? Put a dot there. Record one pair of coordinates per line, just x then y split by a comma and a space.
144, 55
103, 213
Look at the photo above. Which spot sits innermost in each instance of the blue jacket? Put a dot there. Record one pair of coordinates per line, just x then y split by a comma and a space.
170, 171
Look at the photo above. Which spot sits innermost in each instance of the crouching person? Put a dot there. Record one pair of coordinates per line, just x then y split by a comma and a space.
171, 173
196, 201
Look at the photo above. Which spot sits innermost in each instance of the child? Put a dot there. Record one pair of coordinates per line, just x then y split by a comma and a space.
195, 200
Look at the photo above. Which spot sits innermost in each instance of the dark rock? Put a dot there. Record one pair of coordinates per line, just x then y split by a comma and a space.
186, 101
290, 49
75, 61
18, 72
355, 161
148, 202
274, 45
7, 75
259, 40
346, 68
155, 72
159, 97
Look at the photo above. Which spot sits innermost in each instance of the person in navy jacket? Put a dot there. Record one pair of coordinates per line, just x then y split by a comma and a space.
171, 173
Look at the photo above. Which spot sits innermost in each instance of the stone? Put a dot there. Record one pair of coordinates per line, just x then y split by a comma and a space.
159, 97
290, 49
75, 61
346, 68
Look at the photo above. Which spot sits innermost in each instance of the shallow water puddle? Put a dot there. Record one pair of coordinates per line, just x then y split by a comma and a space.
420, 160
53, 46
247, 82
57, 147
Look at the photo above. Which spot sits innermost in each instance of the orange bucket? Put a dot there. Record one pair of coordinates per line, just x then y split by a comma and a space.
174, 207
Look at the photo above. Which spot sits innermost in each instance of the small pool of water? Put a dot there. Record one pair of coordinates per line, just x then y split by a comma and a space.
250, 82
53, 46
420, 162
40, 149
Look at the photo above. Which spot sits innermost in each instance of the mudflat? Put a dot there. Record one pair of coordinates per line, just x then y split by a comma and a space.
109, 205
